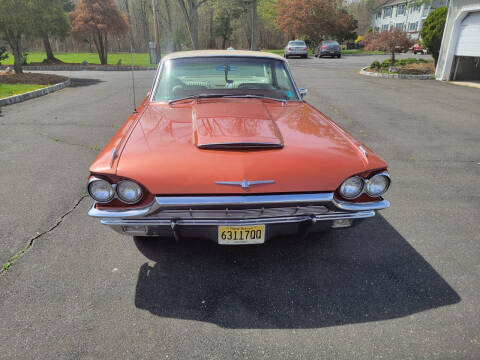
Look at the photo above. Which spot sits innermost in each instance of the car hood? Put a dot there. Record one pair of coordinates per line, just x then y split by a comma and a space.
305, 151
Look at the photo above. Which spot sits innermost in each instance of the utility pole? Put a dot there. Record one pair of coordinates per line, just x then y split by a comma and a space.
155, 23
253, 45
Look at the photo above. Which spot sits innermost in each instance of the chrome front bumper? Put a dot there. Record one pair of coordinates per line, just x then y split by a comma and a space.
199, 216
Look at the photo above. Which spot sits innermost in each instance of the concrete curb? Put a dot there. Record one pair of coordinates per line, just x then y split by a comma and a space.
80, 68
396, 76
34, 94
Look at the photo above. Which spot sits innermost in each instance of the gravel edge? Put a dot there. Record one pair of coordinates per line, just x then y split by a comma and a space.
34, 94
396, 76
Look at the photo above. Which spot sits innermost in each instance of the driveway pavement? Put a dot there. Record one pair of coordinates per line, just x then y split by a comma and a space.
403, 285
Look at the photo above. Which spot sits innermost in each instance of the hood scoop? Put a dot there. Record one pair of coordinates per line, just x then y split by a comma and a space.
243, 124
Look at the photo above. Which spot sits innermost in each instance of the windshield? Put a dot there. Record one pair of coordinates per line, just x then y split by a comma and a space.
224, 76
297, 43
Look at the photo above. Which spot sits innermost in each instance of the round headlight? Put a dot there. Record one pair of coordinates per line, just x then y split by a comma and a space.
101, 190
377, 185
352, 187
129, 192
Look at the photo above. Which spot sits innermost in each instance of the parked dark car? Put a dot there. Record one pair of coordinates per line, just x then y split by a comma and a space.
329, 48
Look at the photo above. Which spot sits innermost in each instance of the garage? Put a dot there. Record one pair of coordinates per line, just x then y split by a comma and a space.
459, 57
467, 53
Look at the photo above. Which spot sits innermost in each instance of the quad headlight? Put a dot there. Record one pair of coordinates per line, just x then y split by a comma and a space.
101, 190
129, 191
377, 185
355, 186
352, 187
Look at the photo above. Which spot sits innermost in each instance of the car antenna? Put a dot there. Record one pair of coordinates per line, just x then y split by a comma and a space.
133, 78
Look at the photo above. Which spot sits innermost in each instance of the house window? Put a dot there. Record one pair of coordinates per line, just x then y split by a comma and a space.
401, 10
385, 27
416, 8
379, 14
413, 26
377, 29
399, 26
387, 12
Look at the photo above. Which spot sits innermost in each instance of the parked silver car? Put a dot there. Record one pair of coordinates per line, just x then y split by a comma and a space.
296, 48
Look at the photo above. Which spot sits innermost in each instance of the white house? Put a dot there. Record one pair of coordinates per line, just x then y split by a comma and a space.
459, 57
404, 15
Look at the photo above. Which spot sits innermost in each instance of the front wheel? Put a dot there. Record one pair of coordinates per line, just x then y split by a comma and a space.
339, 56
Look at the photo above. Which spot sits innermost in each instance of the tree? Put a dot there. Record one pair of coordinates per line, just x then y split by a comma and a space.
190, 13
392, 41
432, 31
363, 11
98, 20
50, 19
316, 19
15, 22
226, 11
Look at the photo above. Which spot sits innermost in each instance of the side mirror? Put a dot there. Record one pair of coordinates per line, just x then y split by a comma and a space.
303, 92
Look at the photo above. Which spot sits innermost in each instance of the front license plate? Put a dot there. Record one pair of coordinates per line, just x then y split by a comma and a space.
241, 235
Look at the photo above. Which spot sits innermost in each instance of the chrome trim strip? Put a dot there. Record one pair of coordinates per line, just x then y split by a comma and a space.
199, 202
242, 200
232, 222
346, 206
94, 212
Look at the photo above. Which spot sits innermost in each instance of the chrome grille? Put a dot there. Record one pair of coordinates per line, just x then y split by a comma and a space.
240, 213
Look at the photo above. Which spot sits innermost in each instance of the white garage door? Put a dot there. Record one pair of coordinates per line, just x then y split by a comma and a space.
469, 39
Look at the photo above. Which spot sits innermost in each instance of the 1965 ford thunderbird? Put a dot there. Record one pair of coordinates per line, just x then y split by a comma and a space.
224, 147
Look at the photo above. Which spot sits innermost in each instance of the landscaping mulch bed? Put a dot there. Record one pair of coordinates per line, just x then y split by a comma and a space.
427, 68
31, 78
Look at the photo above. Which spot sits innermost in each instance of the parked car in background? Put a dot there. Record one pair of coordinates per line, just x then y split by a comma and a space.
329, 48
418, 49
224, 147
296, 48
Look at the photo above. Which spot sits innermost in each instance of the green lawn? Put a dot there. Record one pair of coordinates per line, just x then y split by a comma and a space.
139, 59
7, 90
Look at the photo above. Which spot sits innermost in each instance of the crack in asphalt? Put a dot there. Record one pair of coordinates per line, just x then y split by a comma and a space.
30, 242
89, 147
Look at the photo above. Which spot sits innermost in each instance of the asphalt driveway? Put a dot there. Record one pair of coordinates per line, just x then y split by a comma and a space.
403, 285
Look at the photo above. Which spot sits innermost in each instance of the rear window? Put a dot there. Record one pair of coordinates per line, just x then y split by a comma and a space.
297, 43
331, 43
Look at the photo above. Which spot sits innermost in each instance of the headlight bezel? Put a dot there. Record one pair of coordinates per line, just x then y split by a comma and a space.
366, 181
114, 183
122, 199
96, 180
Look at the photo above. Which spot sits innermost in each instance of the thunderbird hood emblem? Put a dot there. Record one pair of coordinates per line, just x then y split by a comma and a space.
244, 183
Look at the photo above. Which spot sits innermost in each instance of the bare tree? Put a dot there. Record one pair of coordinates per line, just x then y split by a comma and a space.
190, 12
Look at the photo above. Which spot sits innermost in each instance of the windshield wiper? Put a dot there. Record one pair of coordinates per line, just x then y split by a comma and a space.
200, 96
247, 96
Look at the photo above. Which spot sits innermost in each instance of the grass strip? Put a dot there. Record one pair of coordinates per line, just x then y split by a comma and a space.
7, 90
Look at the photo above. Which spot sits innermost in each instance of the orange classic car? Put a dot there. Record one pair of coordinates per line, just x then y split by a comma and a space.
224, 147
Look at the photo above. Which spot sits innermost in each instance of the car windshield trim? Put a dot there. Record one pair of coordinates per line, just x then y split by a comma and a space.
273, 81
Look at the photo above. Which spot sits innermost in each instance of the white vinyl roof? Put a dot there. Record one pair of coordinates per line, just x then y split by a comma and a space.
212, 53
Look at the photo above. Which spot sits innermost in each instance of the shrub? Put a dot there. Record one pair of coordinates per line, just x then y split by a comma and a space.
386, 63
375, 65
432, 31
3, 54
